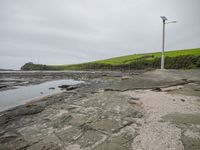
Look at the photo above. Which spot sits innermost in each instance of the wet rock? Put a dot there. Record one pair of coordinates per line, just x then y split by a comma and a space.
3, 86
112, 89
196, 89
182, 100
104, 75
52, 88
28, 110
185, 80
7, 136
86, 127
20, 111
134, 98
69, 87
64, 86
132, 102
157, 89
117, 75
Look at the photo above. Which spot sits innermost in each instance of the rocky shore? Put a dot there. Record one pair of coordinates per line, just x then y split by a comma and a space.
151, 110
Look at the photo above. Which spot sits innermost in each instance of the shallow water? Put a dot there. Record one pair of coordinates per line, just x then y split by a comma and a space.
23, 94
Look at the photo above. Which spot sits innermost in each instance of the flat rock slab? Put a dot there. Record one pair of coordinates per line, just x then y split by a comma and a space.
156, 79
109, 114
95, 121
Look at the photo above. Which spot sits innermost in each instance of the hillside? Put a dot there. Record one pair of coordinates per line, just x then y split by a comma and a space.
177, 59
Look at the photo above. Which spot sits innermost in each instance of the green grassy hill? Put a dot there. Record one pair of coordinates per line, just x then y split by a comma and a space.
177, 59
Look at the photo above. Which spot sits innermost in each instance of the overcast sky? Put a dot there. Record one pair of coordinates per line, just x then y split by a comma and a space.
74, 31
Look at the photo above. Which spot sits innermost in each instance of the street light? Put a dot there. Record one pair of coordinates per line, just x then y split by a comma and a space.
163, 40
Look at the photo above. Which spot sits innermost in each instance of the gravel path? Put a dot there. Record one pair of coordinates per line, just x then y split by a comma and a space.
155, 134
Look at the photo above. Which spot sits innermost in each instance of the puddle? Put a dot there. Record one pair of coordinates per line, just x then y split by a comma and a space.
23, 94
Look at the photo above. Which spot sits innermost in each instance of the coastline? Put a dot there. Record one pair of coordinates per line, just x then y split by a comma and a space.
91, 117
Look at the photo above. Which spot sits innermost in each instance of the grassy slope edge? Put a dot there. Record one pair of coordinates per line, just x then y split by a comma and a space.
178, 59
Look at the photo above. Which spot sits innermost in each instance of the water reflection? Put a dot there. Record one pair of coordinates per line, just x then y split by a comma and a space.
14, 97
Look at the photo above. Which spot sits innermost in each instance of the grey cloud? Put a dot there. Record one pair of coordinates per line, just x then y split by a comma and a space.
74, 31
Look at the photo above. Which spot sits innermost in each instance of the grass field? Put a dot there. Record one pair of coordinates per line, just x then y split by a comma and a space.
130, 58
190, 57
125, 60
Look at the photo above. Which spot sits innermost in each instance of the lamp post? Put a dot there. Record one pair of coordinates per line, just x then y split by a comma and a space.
163, 40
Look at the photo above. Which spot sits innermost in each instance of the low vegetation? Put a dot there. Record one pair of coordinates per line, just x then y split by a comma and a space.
178, 59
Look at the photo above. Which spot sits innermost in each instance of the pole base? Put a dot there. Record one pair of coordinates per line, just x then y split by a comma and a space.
162, 62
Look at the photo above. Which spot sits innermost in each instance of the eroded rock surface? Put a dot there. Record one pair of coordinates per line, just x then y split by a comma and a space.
83, 120
110, 113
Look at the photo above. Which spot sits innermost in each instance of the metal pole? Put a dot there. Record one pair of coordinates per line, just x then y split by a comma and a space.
163, 47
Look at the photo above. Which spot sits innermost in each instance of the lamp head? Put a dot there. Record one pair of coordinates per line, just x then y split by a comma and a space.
174, 21
163, 18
